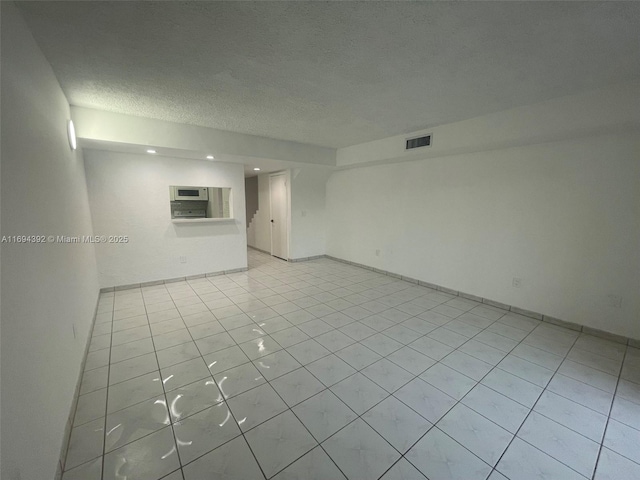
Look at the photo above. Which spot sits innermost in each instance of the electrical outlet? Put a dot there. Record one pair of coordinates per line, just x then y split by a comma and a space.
614, 301
516, 282
377, 253
183, 259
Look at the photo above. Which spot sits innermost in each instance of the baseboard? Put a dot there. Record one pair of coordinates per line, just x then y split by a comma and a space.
74, 402
291, 260
511, 308
306, 259
152, 283
258, 249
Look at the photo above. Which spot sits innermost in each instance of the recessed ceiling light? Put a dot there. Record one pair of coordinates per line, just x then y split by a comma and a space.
151, 151
71, 133
209, 157
257, 169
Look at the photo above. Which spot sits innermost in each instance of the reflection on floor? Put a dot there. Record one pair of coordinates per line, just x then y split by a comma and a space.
321, 370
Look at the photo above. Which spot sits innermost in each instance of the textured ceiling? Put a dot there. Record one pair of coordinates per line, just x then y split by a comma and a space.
331, 74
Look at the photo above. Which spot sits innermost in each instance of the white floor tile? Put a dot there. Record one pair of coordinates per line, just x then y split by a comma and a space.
134, 367
85, 444
437, 455
308, 351
612, 466
523, 461
360, 452
403, 470
513, 387
132, 349
227, 354
381, 344
587, 422
279, 442
467, 365
91, 470
297, 386
507, 413
202, 432
94, 380
134, 391
184, 373
425, 399
149, 458
231, 461
581, 393
192, 398
134, 422
359, 393
397, 423
315, 465
526, 370
411, 360
623, 439
238, 380
330, 370
324, 414
626, 412
448, 380
387, 375
483, 352
473, 431
334, 340
178, 354
255, 406
431, 348
561, 443
225, 359
90, 407
358, 356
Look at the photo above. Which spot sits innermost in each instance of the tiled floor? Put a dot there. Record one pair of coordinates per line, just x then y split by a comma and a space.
321, 370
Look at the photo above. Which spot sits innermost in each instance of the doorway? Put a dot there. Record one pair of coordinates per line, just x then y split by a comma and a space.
279, 220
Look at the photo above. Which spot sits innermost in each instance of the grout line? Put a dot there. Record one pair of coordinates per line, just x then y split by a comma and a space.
434, 424
359, 416
395, 323
164, 391
218, 387
106, 403
529, 414
290, 408
604, 433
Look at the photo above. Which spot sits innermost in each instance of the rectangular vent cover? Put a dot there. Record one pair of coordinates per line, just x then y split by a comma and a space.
418, 142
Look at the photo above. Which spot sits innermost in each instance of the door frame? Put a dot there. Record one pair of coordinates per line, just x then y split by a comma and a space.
287, 180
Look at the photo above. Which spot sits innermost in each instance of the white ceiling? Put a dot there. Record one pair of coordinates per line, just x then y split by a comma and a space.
331, 74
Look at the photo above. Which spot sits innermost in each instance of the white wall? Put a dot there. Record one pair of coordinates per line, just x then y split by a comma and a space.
564, 216
129, 195
308, 221
259, 231
47, 289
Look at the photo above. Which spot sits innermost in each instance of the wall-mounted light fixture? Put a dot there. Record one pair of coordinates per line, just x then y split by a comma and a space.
257, 169
209, 157
71, 133
151, 150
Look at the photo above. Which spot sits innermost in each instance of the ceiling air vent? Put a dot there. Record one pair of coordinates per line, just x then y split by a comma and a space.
424, 141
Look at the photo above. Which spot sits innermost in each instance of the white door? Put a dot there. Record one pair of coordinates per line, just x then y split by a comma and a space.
278, 192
